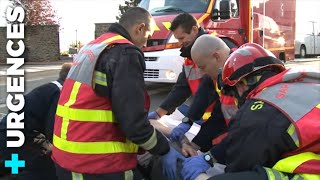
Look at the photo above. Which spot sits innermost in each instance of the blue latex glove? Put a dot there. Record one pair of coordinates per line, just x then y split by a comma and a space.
193, 167
169, 163
153, 115
179, 131
183, 109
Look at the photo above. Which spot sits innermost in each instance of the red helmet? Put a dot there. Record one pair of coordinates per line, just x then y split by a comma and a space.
246, 59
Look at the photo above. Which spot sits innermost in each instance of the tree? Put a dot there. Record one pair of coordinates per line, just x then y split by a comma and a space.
38, 12
128, 4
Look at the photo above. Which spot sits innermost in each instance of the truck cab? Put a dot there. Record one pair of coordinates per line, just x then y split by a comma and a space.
235, 21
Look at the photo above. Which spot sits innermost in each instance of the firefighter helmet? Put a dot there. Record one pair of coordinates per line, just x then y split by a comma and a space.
247, 59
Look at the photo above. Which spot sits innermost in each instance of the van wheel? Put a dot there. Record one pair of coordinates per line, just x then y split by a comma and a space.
303, 52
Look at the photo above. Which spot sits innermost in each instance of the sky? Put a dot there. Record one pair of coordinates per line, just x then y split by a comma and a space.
78, 17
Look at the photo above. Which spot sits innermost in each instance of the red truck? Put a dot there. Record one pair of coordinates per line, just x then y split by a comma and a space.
270, 23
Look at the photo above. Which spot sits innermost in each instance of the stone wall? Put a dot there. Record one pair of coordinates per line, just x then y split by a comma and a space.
42, 43
101, 28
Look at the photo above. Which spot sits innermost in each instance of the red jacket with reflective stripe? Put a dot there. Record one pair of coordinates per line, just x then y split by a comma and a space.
87, 138
194, 75
294, 92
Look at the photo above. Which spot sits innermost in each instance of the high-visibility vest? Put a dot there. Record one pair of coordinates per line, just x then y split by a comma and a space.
228, 107
87, 138
194, 75
295, 93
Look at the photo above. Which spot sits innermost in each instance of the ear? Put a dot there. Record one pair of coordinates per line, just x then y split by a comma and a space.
216, 56
140, 27
195, 29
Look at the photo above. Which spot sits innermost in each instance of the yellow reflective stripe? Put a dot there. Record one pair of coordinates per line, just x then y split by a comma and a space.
292, 132
94, 147
217, 89
114, 38
296, 177
275, 175
310, 176
64, 128
98, 81
151, 143
77, 176
73, 94
128, 175
100, 78
270, 174
85, 115
72, 100
206, 115
290, 163
318, 106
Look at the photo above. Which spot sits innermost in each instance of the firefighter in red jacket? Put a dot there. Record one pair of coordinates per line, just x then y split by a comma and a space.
186, 30
275, 133
101, 119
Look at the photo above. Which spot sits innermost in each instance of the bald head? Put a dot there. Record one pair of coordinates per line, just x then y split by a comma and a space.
210, 54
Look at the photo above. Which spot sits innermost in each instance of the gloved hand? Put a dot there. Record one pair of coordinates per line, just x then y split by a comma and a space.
194, 166
178, 132
169, 163
153, 115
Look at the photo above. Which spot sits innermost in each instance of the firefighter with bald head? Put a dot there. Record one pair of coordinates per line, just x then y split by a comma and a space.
274, 133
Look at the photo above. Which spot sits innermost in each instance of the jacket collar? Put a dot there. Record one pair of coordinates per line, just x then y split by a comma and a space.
119, 29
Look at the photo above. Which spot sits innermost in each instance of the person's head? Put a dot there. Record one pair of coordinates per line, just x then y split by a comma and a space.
185, 29
64, 71
245, 68
210, 53
139, 24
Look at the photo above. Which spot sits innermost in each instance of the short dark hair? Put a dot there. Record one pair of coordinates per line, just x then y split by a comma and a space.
64, 71
186, 21
134, 16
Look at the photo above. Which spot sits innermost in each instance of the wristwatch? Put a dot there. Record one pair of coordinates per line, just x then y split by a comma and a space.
187, 120
209, 159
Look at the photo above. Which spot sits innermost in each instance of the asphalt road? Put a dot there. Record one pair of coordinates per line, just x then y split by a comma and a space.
36, 75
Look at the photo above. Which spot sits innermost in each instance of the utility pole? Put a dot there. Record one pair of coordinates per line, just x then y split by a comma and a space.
77, 40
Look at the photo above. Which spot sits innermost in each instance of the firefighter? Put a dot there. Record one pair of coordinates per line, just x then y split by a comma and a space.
186, 30
101, 119
210, 48
274, 134
39, 111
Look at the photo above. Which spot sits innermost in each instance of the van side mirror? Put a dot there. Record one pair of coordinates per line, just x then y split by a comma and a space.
225, 9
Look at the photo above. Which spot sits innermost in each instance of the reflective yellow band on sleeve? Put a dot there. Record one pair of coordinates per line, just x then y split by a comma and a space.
206, 115
217, 88
293, 133
85, 115
297, 177
151, 143
275, 175
77, 176
289, 164
94, 147
100, 78
128, 175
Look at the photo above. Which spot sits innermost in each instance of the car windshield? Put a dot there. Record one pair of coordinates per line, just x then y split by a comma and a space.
162, 7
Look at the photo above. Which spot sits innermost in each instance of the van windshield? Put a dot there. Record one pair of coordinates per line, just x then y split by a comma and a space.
162, 7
